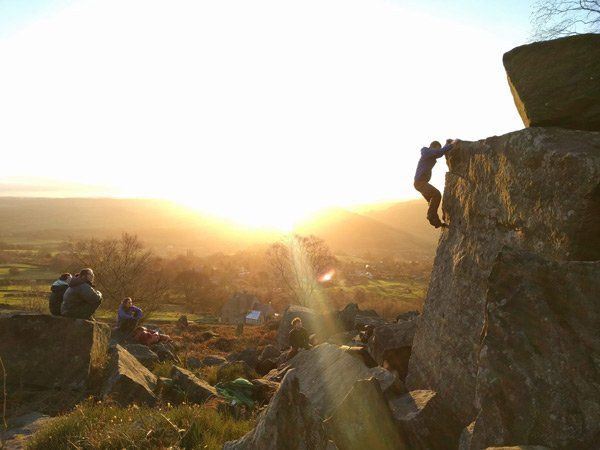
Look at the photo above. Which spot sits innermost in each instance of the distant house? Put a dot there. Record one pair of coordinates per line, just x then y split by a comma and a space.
237, 307
254, 318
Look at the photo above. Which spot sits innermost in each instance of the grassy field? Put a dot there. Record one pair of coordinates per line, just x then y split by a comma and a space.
100, 426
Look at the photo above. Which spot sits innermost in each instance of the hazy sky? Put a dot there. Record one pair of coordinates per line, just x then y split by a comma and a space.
260, 110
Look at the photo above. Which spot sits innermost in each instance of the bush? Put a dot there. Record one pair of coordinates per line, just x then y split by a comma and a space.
102, 426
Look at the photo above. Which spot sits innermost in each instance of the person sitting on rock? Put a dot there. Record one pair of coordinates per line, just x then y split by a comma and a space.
57, 291
429, 156
128, 316
299, 338
81, 299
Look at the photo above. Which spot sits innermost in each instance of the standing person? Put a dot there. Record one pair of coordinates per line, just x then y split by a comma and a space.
429, 156
81, 299
128, 316
57, 291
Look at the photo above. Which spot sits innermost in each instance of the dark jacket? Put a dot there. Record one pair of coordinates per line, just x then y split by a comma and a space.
428, 159
80, 292
57, 291
299, 338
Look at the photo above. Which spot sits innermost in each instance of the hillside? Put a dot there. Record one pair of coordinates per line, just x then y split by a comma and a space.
354, 233
167, 226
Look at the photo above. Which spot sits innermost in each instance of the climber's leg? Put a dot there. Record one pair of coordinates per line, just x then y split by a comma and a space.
433, 197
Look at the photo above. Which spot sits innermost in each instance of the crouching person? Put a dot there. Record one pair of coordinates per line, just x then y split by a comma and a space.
81, 299
128, 316
57, 292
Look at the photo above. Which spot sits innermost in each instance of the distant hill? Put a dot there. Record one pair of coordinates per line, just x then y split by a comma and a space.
397, 229
354, 233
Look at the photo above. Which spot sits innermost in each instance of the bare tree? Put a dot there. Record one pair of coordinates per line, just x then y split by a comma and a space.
124, 268
556, 18
297, 262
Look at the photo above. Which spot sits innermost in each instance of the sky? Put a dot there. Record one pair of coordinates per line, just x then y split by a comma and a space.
260, 111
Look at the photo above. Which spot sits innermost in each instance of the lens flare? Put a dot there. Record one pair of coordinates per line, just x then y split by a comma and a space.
327, 276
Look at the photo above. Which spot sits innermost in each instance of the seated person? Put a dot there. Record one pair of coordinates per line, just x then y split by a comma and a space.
128, 315
299, 338
143, 335
81, 300
57, 291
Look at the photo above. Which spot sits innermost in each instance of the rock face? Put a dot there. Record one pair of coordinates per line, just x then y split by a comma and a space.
195, 389
364, 421
557, 83
391, 343
41, 351
143, 354
539, 369
327, 374
534, 190
289, 422
423, 421
129, 382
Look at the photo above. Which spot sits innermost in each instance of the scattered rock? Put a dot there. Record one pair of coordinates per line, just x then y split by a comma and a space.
143, 354
21, 429
391, 345
538, 363
129, 382
182, 322
49, 352
264, 366
363, 419
248, 355
209, 334
266, 390
193, 363
270, 352
566, 93
289, 422
165, 352
353, 318
423, 422
195, 389
213, 360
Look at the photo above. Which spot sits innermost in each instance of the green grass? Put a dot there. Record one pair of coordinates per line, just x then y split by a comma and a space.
100, 426
405, 289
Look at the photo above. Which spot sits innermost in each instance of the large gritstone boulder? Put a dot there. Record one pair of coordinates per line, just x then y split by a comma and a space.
539, 361
391, 344
129, 382
50, 352
364, 421
289, 422
327, 373
557, 83
424, 423
535, 190
195, 389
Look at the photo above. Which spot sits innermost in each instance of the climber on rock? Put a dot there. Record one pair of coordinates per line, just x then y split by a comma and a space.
429, 156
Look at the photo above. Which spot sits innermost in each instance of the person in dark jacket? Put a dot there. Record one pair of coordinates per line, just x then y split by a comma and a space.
81, 299
57, 291
429, 156
128, 316
299, 338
